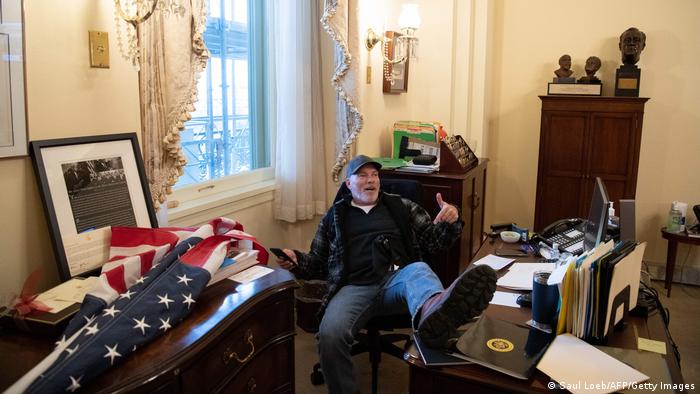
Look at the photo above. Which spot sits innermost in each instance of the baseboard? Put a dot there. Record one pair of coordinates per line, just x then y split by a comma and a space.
690, 273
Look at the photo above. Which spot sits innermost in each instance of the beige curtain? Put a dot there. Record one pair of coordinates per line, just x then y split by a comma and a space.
340, 22
173, 55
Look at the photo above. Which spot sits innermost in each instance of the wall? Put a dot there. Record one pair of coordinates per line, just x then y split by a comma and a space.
65, 98
429, 94
529, 38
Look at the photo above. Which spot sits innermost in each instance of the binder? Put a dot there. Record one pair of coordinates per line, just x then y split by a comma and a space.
503, 346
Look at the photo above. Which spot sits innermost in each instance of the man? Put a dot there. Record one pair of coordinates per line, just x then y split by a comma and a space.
632, 43
356, 246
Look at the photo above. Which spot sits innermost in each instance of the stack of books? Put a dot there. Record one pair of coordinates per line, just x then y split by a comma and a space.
241, 260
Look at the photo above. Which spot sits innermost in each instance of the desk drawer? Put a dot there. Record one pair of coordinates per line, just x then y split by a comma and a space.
240, 346
269, 372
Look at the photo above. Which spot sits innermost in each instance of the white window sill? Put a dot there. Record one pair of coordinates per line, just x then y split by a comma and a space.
201, 210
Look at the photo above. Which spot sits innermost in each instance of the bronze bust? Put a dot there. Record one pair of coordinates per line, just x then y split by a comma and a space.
632, 43
592, 66
564, 70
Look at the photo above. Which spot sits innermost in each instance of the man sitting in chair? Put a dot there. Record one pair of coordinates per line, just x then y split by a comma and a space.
358, 243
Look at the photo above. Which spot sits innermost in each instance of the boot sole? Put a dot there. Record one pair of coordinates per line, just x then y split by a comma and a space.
469, 297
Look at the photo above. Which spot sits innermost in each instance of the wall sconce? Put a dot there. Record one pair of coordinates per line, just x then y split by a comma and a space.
405, 45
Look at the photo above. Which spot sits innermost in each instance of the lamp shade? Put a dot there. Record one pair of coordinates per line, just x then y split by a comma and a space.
409, 17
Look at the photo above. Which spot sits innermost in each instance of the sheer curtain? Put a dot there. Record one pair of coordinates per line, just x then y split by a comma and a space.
297, 110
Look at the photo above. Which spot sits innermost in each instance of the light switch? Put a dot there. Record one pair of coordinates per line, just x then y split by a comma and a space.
99, 49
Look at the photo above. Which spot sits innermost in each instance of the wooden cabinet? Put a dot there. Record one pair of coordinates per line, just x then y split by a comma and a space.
239, 339
582, 138
468, 192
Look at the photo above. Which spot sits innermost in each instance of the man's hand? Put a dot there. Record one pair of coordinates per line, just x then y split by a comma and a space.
288, 264
448, 213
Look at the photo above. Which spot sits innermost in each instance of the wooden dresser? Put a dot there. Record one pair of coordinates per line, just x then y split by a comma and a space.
582, 138
239, 339
468, 192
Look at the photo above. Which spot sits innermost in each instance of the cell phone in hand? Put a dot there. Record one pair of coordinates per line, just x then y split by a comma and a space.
280, 253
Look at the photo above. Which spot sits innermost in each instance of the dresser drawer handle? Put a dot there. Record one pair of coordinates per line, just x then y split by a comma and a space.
476, 200
252, 385
229, 354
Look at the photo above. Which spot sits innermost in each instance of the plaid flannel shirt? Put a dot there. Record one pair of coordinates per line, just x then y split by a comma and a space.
326, 259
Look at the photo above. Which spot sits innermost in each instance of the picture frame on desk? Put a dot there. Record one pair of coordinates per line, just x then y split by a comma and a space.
87, 185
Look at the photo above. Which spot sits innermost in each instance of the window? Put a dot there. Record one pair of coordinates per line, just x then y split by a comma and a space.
228, 132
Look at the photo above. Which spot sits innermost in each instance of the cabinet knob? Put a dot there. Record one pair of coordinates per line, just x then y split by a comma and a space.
476, 200
251, 386
230, 354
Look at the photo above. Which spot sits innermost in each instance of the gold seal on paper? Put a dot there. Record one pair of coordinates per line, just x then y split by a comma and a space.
500, 345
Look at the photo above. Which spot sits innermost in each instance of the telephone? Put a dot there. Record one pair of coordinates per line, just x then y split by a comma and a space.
567, 233
561, 226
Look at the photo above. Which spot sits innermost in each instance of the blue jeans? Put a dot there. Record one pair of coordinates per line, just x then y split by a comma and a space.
352, 307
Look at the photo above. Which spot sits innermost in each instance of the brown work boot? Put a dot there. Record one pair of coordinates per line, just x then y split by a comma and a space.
466, 298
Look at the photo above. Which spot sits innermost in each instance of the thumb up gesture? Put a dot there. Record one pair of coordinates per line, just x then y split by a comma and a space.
448, 213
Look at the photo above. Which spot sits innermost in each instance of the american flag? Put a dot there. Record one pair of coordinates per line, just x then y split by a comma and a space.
150, 283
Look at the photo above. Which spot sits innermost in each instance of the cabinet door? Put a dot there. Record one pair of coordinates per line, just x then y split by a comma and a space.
613, 142
562, 166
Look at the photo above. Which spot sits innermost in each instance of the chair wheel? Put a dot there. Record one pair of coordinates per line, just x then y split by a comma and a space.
317, 376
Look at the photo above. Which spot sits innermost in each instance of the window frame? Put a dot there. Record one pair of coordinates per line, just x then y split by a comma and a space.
224, 190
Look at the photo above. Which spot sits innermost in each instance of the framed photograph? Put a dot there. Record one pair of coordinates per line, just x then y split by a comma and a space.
13, 120
87, 185
398, 71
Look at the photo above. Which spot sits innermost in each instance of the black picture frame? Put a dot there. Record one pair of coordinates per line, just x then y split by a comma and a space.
88, 184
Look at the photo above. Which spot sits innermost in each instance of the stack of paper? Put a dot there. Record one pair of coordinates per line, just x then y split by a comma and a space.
580, 367
495, 262
418, 168
231, 266
589, 284
519, 276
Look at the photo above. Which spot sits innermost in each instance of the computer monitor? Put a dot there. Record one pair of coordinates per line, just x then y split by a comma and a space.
597, 223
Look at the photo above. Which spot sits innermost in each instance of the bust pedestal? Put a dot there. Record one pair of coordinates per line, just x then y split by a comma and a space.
627, 80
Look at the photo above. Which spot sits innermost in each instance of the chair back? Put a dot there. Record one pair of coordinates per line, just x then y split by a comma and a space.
406, 188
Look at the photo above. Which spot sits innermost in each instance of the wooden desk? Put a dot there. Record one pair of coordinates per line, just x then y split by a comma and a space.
673, 240
466, 191
475, 378
191, 358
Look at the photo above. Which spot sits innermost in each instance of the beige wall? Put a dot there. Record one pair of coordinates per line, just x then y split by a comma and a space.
429, 91
508, 62
529, 38
65, 98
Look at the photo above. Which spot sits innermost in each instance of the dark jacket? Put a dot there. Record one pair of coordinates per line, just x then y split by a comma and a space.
327, 259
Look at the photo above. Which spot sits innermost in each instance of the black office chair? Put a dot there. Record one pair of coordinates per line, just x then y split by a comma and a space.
370, 339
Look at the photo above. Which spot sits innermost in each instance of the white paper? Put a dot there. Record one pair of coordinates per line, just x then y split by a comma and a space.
67, 293
494, 262
558, 274
250, 274
581, 368
519, 276
505, 299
